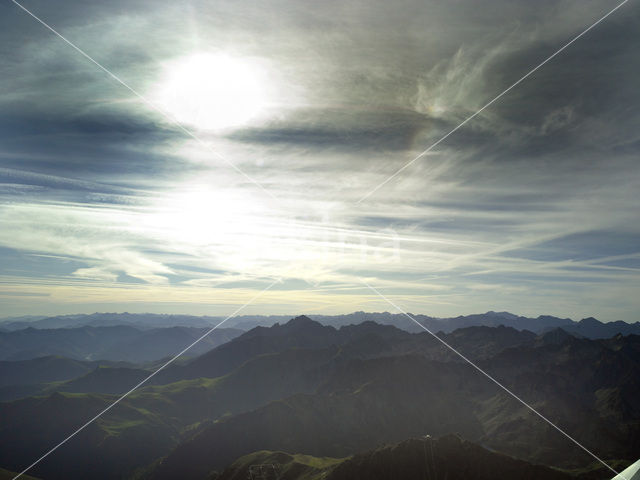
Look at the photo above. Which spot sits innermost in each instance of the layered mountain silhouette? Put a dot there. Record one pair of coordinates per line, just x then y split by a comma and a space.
588, 327
320, 392
139, 320
116, 343
40, 375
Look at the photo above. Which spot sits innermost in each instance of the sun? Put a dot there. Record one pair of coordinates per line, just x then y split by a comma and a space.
213, 91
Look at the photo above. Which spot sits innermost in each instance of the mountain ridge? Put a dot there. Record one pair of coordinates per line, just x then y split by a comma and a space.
354, 387
589, 327
115, 343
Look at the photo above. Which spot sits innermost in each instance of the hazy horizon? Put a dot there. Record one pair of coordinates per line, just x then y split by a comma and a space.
309, 314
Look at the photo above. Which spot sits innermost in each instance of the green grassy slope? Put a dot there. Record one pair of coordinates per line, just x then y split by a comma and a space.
368, 402
148, 423
290, 467
448, 458
8, 475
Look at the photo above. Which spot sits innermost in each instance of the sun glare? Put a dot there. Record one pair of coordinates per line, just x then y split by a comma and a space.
212, 92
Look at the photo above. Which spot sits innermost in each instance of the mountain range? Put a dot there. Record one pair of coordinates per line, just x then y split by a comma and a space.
340, 402
588, 327
116, 343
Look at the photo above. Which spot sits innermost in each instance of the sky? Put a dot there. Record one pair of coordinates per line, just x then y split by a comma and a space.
213, 148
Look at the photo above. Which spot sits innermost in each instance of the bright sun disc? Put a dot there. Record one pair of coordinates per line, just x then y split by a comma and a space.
213, 92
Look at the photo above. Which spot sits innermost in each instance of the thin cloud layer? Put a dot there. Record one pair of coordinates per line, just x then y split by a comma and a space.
105, 204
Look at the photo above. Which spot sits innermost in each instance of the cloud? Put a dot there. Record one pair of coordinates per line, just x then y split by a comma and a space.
531, 206
346, 129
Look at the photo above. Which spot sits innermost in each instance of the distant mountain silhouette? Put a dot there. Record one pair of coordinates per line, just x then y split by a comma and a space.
140, 320
31, 377
592, 328
589, 327
116, 343
45, 369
